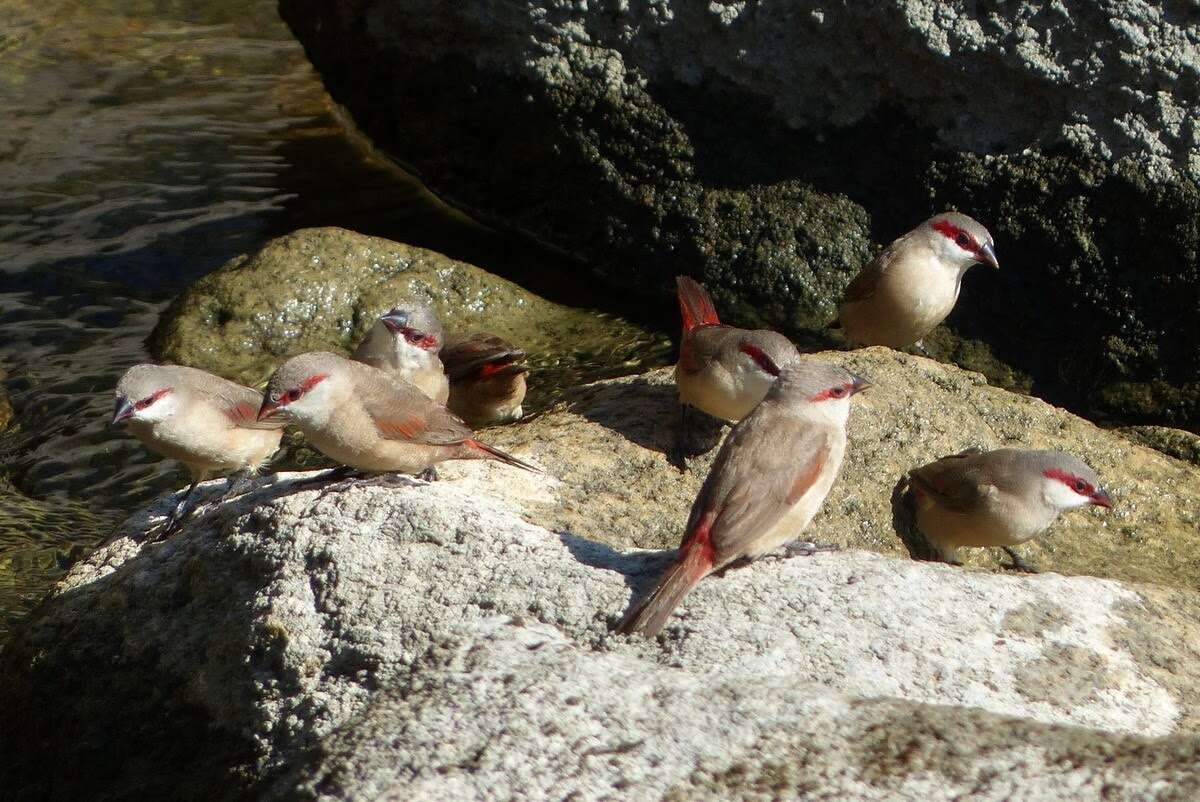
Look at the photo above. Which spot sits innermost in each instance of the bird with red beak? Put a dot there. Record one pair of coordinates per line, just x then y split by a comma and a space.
999, 498
769, 479
207, 423
487, 379
722, 370
369, 420
912, 286
405, 342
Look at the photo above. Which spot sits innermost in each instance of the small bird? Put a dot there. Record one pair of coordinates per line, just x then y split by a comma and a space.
999, 498
368, 419
902, 294
405, 341
206, 422
722, 370
768, 481
487, 381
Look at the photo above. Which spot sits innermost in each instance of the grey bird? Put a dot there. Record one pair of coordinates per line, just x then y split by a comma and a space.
769, 479
368, 419
999, 498
487, 379
405, 341
203, 421
912, 286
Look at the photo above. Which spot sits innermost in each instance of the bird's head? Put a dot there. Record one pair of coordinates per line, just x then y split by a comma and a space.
960, 241
301, 388
415, 325
146, 394
1066, 482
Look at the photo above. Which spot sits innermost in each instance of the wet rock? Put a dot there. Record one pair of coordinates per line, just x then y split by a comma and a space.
322, 288
6, 410
403, 640
608, 441
738, 143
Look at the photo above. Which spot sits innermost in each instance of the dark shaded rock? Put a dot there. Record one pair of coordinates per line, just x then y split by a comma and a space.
739, 142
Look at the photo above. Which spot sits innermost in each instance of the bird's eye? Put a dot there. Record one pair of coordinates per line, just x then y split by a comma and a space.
292, 395
414, 336
1080, 486
962, 240
145, 402
839, 391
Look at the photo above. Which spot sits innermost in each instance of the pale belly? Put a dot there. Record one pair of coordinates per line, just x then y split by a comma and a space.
213, 449
724, 394
376, 453
994, 526
901, 312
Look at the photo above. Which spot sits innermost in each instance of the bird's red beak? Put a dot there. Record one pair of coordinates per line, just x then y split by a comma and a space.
1101, 499
267, 409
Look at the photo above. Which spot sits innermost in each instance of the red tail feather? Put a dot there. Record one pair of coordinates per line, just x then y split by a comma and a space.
491, 452
694, 304
695, 562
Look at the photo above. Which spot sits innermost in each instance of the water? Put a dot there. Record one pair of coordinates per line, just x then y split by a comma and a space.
145, 143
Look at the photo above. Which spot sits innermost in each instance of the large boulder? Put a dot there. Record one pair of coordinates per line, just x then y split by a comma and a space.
762, 146
608, 442
394, 639
320, 289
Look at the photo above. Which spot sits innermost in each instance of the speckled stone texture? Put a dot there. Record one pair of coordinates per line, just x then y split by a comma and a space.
399, 640
764, 146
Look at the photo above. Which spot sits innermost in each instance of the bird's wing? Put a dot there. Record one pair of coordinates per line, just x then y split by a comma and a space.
462, 358
863, 286
763, 470
239, 404
402, 412
705, 344
956, 482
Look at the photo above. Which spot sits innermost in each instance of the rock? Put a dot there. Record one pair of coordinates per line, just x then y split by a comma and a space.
322, 288
402, 640
1173, 442
736, 142
6, 410
607, 442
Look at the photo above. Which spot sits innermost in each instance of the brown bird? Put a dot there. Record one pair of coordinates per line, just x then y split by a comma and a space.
999, 498
768, 481
203, 421
487, 381
722, 370
405, 342
369, 420
912, 286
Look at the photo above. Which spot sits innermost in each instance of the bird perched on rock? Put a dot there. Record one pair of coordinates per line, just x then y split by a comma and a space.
912, 286
203, 421
405, 341
768, 481
722, 370
999, 498
487, 379
367, 419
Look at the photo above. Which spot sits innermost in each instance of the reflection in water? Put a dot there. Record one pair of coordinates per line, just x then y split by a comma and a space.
144, 143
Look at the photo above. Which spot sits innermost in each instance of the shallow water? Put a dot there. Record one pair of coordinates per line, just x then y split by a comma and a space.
144, 144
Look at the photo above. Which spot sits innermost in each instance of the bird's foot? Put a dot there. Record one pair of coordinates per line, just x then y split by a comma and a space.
803, 548
1018, 564
919, 347
430, 474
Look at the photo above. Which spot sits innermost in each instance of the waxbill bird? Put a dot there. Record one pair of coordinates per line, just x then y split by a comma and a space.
768, 481
369, 420
999, 498
902, 294
487, 379
405, 341
203, 421
722, 370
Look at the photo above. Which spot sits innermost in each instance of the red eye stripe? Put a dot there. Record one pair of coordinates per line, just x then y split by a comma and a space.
150, 399
311, 382
841, 391
760, 358
953, 233
1077, 485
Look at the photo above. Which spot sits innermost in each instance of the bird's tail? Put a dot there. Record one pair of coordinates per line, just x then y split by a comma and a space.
651, 614
695, 305
484, 451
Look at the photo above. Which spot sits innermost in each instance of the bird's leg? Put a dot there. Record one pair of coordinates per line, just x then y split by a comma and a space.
683, 438
919, 347
804, 548
430, 474
237, 484
1018, 564
180, 514
333, 475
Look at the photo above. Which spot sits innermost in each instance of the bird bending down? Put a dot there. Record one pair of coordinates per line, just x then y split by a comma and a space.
487, 381
369, 420
999, 498
722, 370
768, 481
902, 294
405, 342
203, 421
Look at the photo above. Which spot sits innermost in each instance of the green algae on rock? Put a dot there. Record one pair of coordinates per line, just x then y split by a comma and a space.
322, 288
607, 442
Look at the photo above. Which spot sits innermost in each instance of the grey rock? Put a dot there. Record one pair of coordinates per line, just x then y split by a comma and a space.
394, 639
762, 146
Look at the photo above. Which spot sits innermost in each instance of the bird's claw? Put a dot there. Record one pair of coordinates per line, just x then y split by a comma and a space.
430, 474
1018, 564
805, 548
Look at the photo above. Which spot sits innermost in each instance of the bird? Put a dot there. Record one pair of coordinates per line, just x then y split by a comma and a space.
487, 379
722, 370
769, 479
902, 294
999, 498
369, 420
207, 423
405, 341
